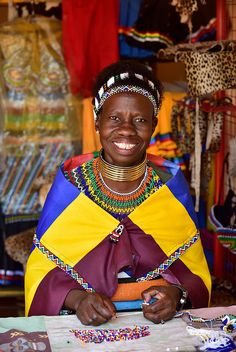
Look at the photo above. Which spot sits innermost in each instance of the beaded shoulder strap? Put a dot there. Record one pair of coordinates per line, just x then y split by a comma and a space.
170, 260
62, 265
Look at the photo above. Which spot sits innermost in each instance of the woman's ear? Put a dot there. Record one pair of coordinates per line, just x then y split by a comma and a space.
154, 124
96, 126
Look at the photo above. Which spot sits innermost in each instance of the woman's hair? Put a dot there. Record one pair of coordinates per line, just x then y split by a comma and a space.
127, 73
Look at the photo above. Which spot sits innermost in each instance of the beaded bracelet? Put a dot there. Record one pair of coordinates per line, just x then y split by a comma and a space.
66, 312
183, 298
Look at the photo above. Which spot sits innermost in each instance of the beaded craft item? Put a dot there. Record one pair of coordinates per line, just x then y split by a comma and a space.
111, 335
229, 323
213, 340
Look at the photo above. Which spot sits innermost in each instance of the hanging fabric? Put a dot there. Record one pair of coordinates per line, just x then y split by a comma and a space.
223, 217
210, 66
90, 40
39, 117
197, 130
159, 26
232, 158
129, 11
162, 142
187, 8
91, 140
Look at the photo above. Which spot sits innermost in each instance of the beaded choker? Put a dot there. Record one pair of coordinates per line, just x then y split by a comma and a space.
121, 173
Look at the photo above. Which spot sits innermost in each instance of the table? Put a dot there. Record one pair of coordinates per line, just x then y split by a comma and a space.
52, 333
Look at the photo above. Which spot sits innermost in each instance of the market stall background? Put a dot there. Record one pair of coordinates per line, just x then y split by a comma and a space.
47, 68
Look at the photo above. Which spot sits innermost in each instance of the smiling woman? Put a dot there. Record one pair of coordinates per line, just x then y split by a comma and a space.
126, 124
118, 228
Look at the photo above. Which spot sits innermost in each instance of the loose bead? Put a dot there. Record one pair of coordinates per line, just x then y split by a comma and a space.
111, 335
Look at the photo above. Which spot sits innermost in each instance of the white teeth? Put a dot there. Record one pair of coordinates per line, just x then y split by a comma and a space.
124, 145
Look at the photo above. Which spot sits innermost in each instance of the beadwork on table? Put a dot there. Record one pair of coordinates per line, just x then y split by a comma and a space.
213, 340
216, 334
111, 335
229, 323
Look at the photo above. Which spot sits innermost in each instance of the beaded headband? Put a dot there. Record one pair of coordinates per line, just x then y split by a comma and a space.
105, 91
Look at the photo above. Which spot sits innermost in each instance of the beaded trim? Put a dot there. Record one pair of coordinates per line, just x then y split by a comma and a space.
170, 260
87, 179
99, 99
123, 89
122, 76
77, 277
63, 266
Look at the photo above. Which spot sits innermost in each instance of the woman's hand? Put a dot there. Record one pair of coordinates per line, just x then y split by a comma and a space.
164, 308
90, 308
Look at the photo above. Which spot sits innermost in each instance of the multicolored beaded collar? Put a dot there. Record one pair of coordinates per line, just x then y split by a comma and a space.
88, 179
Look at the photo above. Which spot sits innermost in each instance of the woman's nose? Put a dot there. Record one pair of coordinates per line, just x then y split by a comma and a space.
127, 128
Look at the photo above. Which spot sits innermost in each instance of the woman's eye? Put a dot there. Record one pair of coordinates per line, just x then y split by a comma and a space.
114, 118
140, 119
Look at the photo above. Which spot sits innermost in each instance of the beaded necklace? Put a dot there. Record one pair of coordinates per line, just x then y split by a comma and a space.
87, 178
126, 193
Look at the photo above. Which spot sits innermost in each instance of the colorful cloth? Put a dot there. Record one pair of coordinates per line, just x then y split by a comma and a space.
73, 249
129, 11
24, 334
159, 25
162, 142
18, 340
90, 40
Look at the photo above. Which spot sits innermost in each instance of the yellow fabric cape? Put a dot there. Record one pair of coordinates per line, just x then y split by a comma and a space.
72, 225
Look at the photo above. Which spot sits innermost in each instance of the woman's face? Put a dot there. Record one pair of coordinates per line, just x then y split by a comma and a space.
126, 124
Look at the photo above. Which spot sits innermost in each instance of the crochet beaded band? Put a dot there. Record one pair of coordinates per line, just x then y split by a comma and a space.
113, 86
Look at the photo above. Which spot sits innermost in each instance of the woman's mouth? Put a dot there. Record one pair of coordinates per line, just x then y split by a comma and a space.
124, 146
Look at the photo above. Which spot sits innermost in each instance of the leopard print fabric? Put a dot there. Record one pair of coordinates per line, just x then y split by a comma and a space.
210, 66
209, 72
183, 120
18, 246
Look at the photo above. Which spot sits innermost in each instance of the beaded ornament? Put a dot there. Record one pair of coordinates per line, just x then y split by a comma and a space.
107, 91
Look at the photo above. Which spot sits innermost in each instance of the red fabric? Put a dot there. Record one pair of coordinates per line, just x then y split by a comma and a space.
90, 40
75, 161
